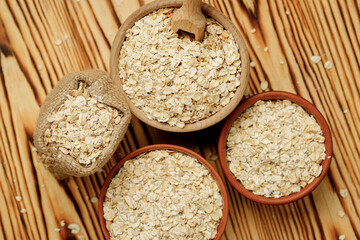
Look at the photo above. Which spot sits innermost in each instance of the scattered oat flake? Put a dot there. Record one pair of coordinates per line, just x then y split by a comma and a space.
341, 213
18, 198
344, 192
266, 49
264, 85
58, 42
253, 30
66, 37
40, 67
328, 65
62, 223
34, 149
345, 111
329, 157
315, 59
94, 199
252, 64
281, 62
342, 237
57, 229
23, 210
287, 12
75, 228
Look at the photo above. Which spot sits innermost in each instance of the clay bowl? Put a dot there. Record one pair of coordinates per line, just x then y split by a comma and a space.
311, 109
115, 170
209, 11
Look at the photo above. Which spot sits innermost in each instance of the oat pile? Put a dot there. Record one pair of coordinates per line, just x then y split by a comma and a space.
173, 78
163, 195
82, 127
275, 148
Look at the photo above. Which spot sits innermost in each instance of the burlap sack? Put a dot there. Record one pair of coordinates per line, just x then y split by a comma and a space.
99, 84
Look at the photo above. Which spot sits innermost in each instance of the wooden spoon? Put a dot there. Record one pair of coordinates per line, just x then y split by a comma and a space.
189, 18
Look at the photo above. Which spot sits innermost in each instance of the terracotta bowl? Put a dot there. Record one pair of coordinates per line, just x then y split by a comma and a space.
275, 95
115, 170
209, 11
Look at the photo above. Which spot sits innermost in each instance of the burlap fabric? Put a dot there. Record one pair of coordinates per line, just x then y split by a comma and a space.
99, 84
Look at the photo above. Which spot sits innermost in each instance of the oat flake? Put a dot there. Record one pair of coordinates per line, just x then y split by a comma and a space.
344, 193
315, 59
328, 65
264, 85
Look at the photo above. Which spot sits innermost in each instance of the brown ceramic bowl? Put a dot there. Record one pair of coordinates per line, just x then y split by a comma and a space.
275, 95
115, 170
209, 11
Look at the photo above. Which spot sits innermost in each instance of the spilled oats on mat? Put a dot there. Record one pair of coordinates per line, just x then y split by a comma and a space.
173, 78
275, 148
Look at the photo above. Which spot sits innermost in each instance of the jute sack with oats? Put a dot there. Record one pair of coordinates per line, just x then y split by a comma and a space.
80, 124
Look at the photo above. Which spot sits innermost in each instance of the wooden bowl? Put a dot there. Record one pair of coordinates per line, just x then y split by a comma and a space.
209, 11
115, 170
275, 95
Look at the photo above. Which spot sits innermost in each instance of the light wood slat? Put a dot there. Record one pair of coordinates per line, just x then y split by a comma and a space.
84, 37
19, 47
13, 79
44, 66
124, 8
83, 8
10, 213
106, 22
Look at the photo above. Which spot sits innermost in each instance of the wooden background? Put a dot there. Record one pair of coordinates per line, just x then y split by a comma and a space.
42, 40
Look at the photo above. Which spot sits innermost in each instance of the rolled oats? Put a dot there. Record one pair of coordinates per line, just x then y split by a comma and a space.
315, 59
75, 228
264, 85
328, 65
344, 192
163, 194
173, 78
275, 148
82, 126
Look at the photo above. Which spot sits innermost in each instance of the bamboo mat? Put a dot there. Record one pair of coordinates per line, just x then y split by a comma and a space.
42, 40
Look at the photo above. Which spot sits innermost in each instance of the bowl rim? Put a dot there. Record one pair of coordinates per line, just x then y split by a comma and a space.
275, 95
116, 168
207, 10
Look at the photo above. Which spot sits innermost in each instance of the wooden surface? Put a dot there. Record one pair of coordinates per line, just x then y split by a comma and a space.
43, 40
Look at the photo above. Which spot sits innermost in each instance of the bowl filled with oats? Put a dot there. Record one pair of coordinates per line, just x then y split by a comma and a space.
163, 192
172, 82
275, 148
